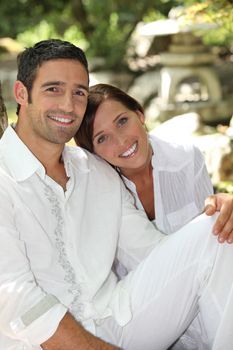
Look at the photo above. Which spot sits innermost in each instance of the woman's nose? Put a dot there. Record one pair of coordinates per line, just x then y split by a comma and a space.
120, 139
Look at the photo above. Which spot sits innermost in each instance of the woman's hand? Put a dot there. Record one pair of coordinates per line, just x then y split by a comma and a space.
223, 227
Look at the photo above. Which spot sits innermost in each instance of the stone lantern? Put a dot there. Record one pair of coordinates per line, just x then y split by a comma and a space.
188, 62
188, 78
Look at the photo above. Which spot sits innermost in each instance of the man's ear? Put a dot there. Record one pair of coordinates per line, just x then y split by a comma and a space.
20, 93
141, 116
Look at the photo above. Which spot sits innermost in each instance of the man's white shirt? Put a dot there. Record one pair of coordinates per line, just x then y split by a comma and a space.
57, 247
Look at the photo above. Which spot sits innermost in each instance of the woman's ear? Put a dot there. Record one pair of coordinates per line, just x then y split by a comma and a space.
20, 93
141, 116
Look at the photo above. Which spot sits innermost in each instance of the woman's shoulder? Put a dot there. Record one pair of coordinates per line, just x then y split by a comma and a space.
166, 144
172, 153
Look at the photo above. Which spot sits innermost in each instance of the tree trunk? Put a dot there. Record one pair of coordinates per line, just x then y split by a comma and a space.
3, 114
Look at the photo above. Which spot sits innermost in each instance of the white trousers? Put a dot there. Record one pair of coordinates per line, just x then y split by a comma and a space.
188, 274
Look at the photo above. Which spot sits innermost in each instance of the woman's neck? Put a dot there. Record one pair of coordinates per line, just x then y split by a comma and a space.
144, 182
139, 175
143, 172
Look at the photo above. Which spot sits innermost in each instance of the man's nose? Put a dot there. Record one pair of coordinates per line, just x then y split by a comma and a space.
67, 103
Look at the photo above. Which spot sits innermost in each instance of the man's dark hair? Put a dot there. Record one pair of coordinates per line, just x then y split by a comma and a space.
32, 58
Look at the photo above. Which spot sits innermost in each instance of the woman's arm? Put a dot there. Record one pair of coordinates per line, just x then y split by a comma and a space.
223, 227
221, 202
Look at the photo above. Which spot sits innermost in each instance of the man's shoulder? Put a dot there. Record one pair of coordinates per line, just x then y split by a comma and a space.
90, 160
7, 183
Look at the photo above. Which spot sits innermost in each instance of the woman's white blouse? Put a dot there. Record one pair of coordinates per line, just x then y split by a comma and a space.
181, 183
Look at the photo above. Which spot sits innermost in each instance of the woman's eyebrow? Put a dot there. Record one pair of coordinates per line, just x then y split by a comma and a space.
118, 116
114, 120
97, 134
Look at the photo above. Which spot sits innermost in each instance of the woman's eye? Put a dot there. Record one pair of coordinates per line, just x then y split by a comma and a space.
101, 139
122, 121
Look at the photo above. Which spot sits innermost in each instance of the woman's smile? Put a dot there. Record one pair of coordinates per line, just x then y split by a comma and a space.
130, 152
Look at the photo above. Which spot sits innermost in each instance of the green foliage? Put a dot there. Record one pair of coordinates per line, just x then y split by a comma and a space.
219, 12
113, 23
103, 27
19, 15
44, 31
41, 31
225, 186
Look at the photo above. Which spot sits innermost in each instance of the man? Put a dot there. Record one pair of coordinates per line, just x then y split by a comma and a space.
65, 216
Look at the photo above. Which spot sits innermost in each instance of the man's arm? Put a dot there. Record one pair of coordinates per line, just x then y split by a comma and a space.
72, 336
28, 313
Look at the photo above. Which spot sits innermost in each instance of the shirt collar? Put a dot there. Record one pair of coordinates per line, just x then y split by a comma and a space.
76, 157
18, 158
22, 163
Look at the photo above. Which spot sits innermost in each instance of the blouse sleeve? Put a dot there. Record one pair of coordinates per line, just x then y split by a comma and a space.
202, 186
138, 236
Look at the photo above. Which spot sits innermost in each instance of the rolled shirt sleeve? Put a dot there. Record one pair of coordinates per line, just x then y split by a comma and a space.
27, 312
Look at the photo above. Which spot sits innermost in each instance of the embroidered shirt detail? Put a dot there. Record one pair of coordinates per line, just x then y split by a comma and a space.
75, 307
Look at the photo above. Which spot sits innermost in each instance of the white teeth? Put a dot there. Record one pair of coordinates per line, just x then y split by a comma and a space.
61, 120
130, 151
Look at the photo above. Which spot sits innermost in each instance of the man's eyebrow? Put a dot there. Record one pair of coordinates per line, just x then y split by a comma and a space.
60, 83
84, 87
49, 83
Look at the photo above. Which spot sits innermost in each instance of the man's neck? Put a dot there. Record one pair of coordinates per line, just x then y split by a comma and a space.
53, 164
58, 174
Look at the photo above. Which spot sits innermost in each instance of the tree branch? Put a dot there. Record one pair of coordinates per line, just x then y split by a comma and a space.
3, 114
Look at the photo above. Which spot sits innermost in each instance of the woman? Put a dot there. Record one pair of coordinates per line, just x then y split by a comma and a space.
169, 181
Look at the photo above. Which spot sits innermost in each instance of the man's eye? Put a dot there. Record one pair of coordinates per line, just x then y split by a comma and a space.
52, 89
122, 121
101, 139
80, 93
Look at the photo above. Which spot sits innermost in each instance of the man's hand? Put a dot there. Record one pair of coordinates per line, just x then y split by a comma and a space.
223, 227
70, 335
